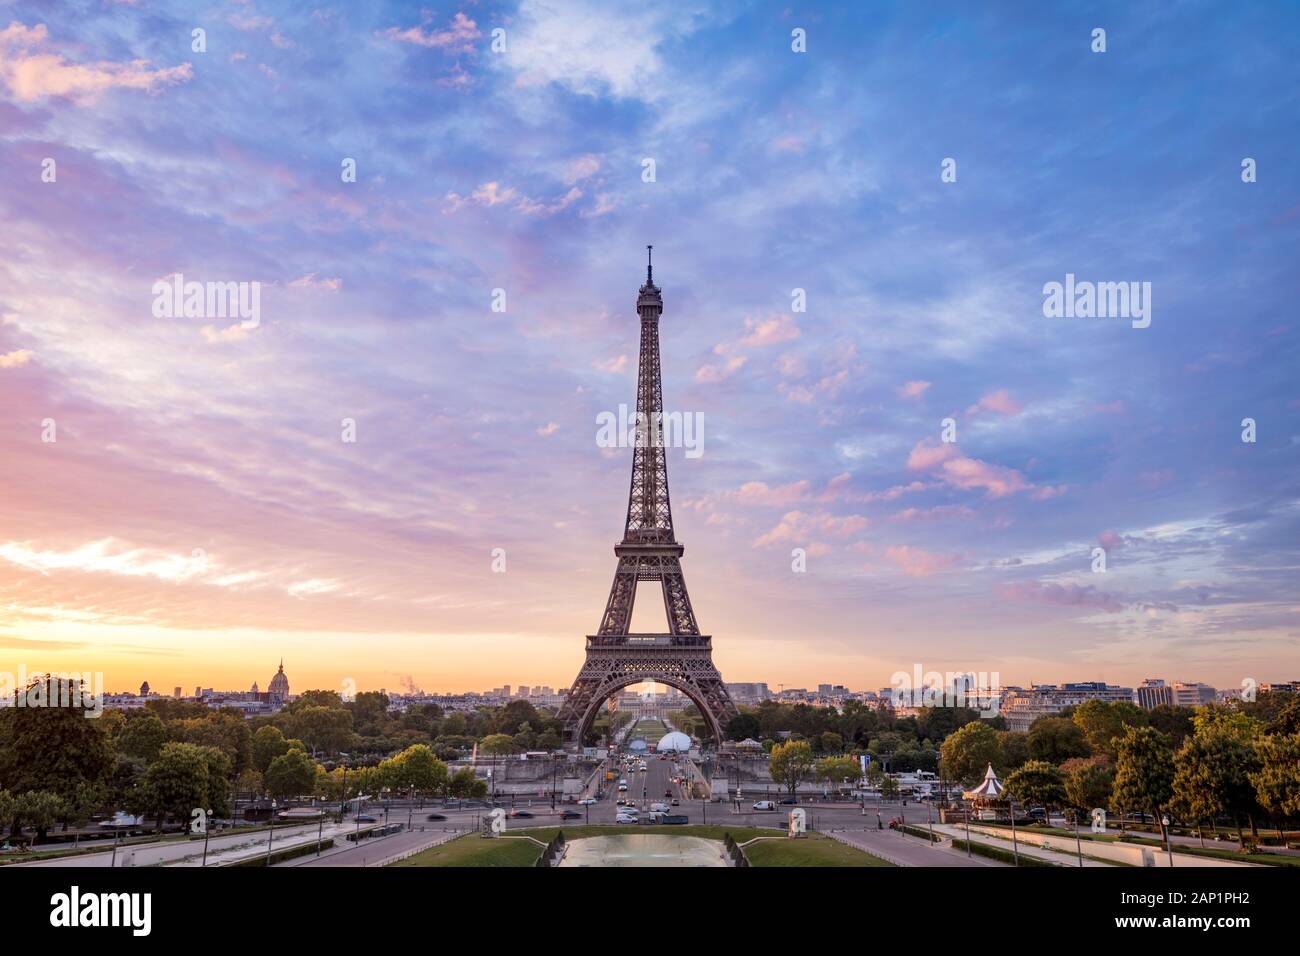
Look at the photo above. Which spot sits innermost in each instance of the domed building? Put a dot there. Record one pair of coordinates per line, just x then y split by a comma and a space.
279, 689
675, 741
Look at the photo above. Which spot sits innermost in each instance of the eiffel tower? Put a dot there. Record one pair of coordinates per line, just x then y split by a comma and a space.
683, 657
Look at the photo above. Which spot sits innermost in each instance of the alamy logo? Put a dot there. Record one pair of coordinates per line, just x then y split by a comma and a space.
1098, 300
981, 692
75, 908
174, 298
670, 430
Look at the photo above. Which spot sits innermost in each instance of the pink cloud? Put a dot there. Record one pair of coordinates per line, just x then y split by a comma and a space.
919, 563
15, 359
926, 456
913, 389
32, 75
776, 328
999, 401
959, 471
459, 36
1110, 540
801, 527
717, 373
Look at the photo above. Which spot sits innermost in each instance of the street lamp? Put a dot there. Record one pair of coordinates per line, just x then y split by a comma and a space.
1015, 849
207, 828
270, 831
1169, 844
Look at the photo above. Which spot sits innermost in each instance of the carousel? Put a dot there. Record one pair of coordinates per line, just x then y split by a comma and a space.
989, 797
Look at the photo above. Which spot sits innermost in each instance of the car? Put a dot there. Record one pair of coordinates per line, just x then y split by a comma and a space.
622, 788
668, 793
520, 814
570, 815
366, 818
658, 808
790, 801
436, 816
623, 782
675, 802
625, 818
764, 805
1038, 813
587, 802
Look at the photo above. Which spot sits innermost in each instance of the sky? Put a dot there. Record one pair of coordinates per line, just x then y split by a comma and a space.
198, 514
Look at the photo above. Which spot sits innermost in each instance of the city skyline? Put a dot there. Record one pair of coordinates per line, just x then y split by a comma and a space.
201, 507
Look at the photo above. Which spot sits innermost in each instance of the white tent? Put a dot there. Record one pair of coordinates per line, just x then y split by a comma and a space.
989, 789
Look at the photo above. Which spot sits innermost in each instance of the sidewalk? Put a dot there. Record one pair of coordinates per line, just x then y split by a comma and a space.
902, 850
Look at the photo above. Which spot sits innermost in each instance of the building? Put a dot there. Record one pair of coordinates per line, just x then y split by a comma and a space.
1192, 694
279, 689
751, 693
1153, 692
1021, 707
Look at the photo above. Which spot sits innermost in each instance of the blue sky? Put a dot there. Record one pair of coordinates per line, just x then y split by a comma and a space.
775, 170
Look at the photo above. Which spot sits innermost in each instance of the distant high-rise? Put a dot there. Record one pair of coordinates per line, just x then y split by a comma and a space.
144, 689
1192, 693
1153, 693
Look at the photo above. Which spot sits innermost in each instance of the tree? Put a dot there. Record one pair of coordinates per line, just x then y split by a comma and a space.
831, 742
1088, 784
1056, 740
889, 788
175, 784
1103, 720
465, 784
1015, 749
1173, 721
1037, 784
968, 752
1277, 778
52, 747
142, 736
39, 809
268, 743
292, 774
744, 726
790, 764
836, 770
416, 769
1212, 770
1144, 773
326, 729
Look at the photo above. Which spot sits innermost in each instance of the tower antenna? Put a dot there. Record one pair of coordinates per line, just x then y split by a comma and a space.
649, 265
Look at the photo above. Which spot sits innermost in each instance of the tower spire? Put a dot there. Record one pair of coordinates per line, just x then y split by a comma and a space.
649, 265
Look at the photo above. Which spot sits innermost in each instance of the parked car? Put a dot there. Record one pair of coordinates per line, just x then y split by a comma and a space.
764, 805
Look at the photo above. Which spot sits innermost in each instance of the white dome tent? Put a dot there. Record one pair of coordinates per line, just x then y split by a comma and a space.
676, 740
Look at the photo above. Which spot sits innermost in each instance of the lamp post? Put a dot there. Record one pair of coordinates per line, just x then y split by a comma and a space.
320, 831
270, 831
1078, 844
967, 815
929, 820
113, 861
1169, 843
1015, 849
207, 828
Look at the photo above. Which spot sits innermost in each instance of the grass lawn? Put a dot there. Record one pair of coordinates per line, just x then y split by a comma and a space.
812, 850
474, 850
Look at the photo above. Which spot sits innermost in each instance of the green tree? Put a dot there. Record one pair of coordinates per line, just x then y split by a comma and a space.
889, 788
291, 774
324, 729
176, 783
790, 764
39, 809
497, 745
1277, 778
744, 726
142, 736
831, 742
268, 743
465, 784
52, 747
1088, 784
1037, 784
1102, 721
1015, 749
969, 751
1056, 740
1144, 773
417, 770
837, 770
1212, 770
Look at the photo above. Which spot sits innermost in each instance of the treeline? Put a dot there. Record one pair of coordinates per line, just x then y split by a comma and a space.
58, 768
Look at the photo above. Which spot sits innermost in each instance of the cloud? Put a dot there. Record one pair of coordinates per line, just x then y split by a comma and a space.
779, 327
33, 75
459, 36
584, 167
1110, 540
15, 359
612, 365
1062, 595
494, 194
309, 281
713, 373
955, 469
804, 528
913, 389
550, 428
919, 563
999, 401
